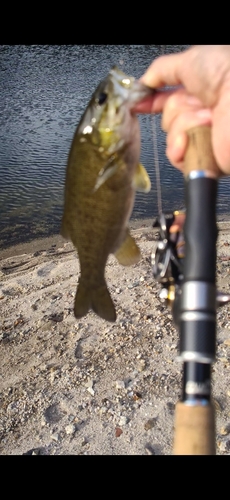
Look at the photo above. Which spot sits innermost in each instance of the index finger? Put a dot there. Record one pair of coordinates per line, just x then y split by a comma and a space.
165, 70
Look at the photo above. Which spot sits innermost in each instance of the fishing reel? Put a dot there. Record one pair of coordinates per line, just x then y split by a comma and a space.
167, 261
168, 256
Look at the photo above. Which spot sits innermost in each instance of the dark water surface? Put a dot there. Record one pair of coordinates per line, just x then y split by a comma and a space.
44, 91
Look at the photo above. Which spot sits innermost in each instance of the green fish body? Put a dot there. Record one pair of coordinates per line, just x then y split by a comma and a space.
103, 173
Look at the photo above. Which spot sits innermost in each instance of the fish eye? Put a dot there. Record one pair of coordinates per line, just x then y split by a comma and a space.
102, 98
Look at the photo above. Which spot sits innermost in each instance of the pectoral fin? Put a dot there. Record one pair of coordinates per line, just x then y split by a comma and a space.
104, 174
141, 179
128, 253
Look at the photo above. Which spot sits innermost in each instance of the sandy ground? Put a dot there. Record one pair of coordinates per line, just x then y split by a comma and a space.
88, 386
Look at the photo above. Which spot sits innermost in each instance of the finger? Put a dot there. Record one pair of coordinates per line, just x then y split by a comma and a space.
193, 70
165, 70
176, 148
177, 138
178, 103
220, 134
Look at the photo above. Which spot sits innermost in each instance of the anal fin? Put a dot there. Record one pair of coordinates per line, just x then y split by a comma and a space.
128, 253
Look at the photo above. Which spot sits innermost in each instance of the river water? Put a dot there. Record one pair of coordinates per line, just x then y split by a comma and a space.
44, 91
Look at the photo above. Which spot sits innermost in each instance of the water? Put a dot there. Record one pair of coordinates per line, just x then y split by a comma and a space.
44, 91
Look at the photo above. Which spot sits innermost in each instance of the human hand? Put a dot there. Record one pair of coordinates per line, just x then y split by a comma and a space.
203, 98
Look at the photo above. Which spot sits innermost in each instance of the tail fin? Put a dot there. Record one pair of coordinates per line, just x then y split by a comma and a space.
97, 299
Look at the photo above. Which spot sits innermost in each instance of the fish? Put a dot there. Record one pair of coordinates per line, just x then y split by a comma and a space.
102, 176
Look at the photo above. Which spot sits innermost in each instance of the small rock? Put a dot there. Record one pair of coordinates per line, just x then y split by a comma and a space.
91, 391
34, 451
43, 422
149, 449
103, 410
171, 406
141, 365
118, 432
55, 437
150, 424
137, 396
133, 285
57, 318
217, 405
120, 384
70, 429
53, 374
89, 385
223, 359
227, 342
123, 421
12, 408
225, 430
224, 445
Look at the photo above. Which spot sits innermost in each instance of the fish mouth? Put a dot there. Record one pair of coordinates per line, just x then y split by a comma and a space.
118, 77
128, 88
139, 91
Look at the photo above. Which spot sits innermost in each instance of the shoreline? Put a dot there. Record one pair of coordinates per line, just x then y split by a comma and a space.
42, 244
56, 240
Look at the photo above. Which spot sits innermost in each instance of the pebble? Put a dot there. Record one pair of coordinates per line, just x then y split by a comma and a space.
103, 410
223, 359
55, 437
34, 451
149, 449
43, 422
123, 421
217, 405
133, 285
70, 429
225, 430
89, 385
118, 432
120, 384
150, 424
224, 445
141, 365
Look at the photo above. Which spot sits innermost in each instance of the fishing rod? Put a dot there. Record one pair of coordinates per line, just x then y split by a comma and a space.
184, 262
